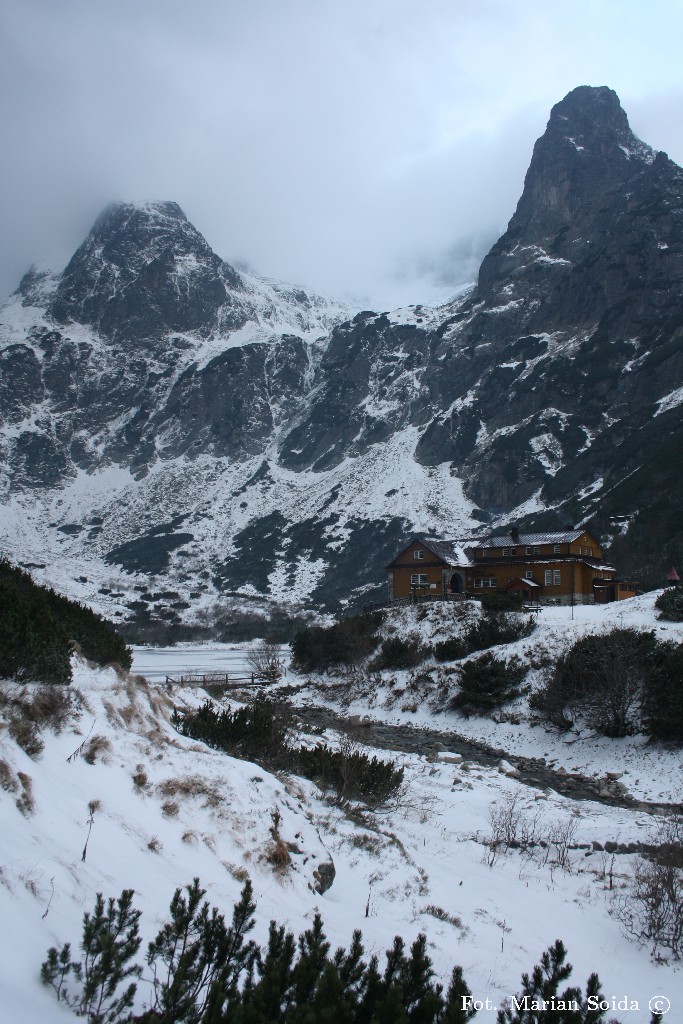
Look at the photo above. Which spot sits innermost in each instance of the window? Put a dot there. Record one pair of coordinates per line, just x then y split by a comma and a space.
590, 552
528, 551
418, 553
556, 578
509, 551
419, 579
549, 577
528, 575
557, 548
486, 581
537, 551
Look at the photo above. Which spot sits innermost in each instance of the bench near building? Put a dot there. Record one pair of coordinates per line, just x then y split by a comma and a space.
543, 568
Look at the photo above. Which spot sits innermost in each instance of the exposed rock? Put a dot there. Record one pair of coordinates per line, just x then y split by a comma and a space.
324, 876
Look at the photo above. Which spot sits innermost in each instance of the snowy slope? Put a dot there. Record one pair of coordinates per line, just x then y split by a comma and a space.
422, 858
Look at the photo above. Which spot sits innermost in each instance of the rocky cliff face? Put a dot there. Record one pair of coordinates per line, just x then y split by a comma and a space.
168, 416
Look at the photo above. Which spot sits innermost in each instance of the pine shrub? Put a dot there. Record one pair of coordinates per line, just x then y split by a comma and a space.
487, 682
489, 630
206, 971
541, 1000
38, 628
398, 653
344, 644
254, 732
604, 679
662, 700
670, 604
258, 733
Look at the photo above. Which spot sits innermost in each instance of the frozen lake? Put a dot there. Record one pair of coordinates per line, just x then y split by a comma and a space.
155, 663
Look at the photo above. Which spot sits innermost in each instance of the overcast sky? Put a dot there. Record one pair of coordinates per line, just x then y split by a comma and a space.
367, 147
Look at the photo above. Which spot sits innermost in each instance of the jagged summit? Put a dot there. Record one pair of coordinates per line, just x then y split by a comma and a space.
142, 271
586, 205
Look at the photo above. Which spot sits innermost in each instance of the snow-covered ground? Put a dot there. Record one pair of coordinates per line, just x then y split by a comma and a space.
651, 772
419, 866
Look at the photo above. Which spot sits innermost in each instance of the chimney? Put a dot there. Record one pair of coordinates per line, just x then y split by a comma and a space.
514, 533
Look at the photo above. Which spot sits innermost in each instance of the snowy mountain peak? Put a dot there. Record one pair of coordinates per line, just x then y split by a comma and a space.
583, 170
144, 270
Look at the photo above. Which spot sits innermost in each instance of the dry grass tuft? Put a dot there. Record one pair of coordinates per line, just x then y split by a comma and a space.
192, 786
238, 873
442, 915
140, 778
25, 802
25, 733
7, 779
277, 852
170, 808
97, 749
154, 845
190, 837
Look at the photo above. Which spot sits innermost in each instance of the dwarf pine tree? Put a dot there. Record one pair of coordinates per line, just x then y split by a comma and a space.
196, 960
110, 941
541, 1002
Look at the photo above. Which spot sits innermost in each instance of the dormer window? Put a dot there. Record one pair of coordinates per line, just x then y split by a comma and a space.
557, 548
418, 553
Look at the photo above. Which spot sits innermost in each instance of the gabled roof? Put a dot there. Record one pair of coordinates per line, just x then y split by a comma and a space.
525, 581
506, 540
456, 553
452, 552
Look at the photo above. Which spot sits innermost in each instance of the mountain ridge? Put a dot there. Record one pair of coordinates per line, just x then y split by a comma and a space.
301, 441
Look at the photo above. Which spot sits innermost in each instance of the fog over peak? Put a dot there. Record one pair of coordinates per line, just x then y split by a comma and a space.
374, 150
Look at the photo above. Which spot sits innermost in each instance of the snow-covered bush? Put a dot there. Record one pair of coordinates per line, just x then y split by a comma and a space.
487, 683
670, 604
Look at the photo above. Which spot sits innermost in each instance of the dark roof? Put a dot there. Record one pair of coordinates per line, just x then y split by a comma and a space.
452, 552
506, 540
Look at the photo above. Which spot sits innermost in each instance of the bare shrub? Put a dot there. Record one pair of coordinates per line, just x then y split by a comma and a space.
170, 808
560, 838
25, 801
504, 821
97, 749
510, 828
190, 837
264, 660
154, 845
651, 909
7, 779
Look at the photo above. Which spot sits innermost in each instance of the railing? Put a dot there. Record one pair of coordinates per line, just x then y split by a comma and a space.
419, 598
225, 681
